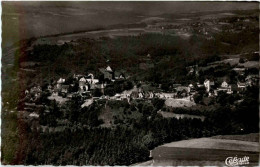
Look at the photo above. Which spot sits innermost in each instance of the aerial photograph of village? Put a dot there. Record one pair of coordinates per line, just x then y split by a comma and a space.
130, 83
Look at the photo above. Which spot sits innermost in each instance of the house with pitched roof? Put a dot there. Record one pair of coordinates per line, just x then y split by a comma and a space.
134, 94
225, 87
82, 82
119, 75
107, 72
64, 89
60, 82
208, 84
224, 84
240, 71
241, 85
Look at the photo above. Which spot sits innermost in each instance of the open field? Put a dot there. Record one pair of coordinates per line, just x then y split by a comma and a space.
87, 103
251, 64
204, 151
111, 33
169, 156
232, 60
253, 137
219, 144
180, 116
179, 103
57, 98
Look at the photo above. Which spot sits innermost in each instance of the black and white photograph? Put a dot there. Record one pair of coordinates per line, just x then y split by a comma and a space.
130, 83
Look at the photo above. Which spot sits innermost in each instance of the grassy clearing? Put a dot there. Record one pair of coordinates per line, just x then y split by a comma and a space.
107, 116
58, 98
180, 116
251, 64
117, 115
179, 103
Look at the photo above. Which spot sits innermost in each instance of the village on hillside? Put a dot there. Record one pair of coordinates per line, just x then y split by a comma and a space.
90, 88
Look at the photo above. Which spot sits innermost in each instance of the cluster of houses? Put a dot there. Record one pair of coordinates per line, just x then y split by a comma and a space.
147, 92
230, 88
180, 91
85, 85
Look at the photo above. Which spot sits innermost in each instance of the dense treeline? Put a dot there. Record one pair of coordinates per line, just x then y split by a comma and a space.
123, 53
100, 146
121, 146
168, 54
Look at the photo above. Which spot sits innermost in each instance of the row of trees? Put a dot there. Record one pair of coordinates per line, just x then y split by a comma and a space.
101, 146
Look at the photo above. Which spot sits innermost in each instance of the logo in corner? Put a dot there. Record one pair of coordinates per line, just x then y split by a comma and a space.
235, 161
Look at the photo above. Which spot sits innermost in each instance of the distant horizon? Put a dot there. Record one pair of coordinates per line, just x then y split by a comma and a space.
23, 20
151, 7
